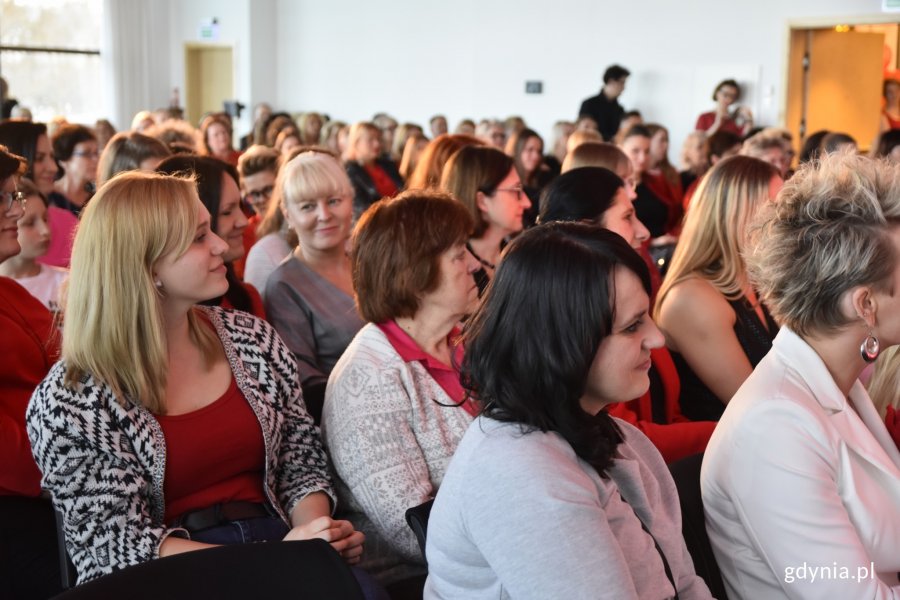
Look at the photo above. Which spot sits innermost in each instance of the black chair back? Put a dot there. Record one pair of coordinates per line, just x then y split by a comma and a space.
67, 573
417, 519
686, 473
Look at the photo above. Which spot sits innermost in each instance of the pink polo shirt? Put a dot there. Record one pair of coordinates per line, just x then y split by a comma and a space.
446, 376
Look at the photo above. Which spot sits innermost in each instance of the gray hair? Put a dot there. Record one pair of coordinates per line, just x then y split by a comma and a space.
828, 232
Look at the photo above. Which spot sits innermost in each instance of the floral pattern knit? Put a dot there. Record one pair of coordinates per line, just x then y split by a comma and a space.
104, 461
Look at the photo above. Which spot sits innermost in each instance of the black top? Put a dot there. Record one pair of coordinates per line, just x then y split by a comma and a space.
698, 402
652, 211
607, 113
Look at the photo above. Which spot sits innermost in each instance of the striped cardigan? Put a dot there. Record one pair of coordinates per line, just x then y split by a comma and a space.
104, 462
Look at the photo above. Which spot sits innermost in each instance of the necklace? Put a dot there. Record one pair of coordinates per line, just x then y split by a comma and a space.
485, 263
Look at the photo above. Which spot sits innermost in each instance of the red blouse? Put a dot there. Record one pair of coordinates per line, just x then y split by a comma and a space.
383, 182
213, 454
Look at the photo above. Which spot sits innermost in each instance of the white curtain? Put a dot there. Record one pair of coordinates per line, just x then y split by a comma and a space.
134, 53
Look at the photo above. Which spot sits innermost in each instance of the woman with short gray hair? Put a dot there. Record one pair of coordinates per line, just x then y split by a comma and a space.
801, 470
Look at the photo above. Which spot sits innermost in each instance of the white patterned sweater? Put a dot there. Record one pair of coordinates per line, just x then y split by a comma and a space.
104, 462
390, 442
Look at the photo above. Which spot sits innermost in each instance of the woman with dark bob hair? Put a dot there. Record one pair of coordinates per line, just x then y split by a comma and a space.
547, 496
394, 407
801, 468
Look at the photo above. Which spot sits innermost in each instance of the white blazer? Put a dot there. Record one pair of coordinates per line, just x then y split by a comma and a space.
802, 492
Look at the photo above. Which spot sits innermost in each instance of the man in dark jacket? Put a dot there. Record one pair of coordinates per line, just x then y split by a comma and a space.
604, 108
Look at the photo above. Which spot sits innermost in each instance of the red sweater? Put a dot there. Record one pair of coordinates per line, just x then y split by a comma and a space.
28, 350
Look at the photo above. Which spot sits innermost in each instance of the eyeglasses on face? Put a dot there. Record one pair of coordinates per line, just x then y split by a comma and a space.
257, 196
86, 153
8, 198
517, 191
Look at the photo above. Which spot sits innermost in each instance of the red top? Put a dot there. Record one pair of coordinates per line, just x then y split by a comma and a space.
669, 192
29, 346
446, 376
249, 238
680, 437
892, 122
383, 182
706, 120
213, 454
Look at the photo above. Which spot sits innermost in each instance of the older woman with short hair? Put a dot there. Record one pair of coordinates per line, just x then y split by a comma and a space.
394, 406
801, 471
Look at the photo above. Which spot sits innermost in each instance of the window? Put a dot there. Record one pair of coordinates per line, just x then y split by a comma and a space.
50, 57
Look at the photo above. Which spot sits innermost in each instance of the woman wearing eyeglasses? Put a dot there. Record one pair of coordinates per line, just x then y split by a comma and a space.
265, 241
486, 182
28, 349
75, 147
394, 407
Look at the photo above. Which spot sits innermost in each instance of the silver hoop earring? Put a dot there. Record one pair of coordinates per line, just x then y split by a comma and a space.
869, 348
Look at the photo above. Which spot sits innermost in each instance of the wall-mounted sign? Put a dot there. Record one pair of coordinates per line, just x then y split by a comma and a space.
209, 30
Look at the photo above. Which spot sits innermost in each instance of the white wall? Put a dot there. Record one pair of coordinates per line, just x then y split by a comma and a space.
414, 58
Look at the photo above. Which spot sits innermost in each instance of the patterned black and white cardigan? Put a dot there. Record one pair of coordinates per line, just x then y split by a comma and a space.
104, 462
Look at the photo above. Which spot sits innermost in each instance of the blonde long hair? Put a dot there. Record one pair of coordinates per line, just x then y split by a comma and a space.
114, 328
884, 387
716, 225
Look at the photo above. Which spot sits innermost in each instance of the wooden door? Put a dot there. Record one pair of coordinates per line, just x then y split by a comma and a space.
208, 74
841, 88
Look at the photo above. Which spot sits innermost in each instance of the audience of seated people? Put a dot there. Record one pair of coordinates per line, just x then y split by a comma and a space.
395, 408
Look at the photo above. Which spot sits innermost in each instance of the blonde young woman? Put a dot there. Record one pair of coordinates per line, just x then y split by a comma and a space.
715, 325
168, 427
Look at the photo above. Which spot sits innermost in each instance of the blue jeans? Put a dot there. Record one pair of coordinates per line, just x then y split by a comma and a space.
273, 529
263, 529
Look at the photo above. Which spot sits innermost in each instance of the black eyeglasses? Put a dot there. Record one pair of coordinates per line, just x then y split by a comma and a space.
257, 196
8, 198
517, 191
